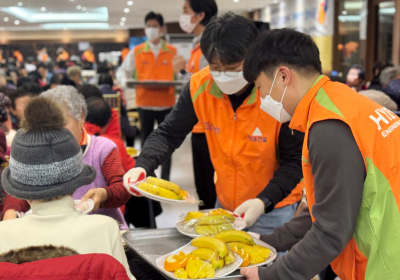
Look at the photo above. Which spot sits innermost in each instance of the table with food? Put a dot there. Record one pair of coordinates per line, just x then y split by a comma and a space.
205, 244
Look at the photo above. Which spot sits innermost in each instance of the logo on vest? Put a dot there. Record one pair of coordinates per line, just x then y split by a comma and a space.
165, 62
209, 126
384, 116
257, 136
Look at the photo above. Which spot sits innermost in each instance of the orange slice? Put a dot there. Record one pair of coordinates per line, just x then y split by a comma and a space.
218, 212
184, 262
171, 264
246, 260
183, 194
180, 256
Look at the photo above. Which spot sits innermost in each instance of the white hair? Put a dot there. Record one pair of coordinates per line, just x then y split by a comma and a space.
71, 98
388, 74
381, 98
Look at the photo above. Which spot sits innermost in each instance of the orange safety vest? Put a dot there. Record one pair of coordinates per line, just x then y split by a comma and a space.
160, 69
124, 53
18, 55
193, 66
64, 55
242, 145
89, 56
44, 57
373, 251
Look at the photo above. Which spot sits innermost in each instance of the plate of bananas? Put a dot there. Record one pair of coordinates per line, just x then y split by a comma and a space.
203, 258
163, 191
208, 222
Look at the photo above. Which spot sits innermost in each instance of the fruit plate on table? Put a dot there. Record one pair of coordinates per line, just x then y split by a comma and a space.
163, 191
224, 271
188, 228
273, 255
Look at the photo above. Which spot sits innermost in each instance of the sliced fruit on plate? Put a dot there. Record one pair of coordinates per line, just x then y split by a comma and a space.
219, 212
171, 264
239, 245
215, 220
180, 256
211, 243
198, 269
209, 256
229, 258
193, 216
212, 230
164, 184
181, 273
158, 191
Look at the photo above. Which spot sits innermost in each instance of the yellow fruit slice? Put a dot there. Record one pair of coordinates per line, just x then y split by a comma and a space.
181, 273
164, 184
215, 220
219, 212
193, 268
183, 194
209, 256
158, 191
229, 258
236, 236
212, 230
171, 264
193, 216
238, 245
211, 243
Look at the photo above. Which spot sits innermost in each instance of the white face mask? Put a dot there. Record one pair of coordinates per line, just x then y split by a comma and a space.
185, 23
152, 33
229, 85
274, 108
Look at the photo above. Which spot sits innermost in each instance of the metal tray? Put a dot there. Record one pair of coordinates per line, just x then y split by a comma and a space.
153, 243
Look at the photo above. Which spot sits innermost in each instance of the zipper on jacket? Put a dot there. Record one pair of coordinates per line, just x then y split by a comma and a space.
233, 161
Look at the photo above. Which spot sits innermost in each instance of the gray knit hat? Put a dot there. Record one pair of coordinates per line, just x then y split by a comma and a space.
46, 159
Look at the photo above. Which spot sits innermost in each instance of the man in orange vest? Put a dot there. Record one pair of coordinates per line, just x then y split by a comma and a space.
194, 19
350, 166
124, 52
62, 54
43, 56
151, 60
256, 159
89, 56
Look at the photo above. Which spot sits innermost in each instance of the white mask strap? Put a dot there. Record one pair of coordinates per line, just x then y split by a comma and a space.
283, 95
276, 74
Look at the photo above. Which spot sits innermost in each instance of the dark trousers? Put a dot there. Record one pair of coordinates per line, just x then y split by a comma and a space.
147, 119
203, 171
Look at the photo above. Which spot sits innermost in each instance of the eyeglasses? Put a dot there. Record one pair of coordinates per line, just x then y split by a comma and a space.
227, 73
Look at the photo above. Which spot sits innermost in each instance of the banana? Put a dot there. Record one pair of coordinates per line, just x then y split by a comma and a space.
212, 230
236, 236
215, 220
164, 184
238, 245
211, 243
229, 258
209, 256
158, 191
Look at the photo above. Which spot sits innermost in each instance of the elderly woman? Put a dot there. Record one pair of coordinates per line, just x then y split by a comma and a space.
107, 191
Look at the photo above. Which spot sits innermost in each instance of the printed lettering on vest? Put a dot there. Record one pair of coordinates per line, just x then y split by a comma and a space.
385, 115
211, 127
257, 136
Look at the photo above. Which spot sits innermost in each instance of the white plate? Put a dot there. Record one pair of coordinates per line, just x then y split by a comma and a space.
225, 270
271, 257
189, 231
161, 199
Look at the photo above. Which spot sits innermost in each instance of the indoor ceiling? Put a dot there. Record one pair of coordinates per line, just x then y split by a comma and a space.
99, 14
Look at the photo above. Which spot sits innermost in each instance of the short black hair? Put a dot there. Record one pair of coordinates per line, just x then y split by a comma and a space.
55, 80
361, 74
106, 79
99, 112
279, 47
228, 38
41, 65
102, 68
90, 91
153, 15
209, 7
22, 81
6, 90
18, 94
32, 88
62, 64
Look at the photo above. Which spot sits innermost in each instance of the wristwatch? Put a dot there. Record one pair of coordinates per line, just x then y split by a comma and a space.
182, 73
268, 204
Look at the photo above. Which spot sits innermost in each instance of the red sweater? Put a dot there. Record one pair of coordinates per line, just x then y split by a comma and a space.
114, 127
79, 267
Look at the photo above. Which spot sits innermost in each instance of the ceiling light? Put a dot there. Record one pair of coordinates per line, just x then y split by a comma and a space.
16, 22
6, 19
123, 19
126, 10
43, 9
235, 1
130, 3
122, 23
79, 7
20, 4
72, 0
275, 1
75, 26
65, 27
83, 9
344, 13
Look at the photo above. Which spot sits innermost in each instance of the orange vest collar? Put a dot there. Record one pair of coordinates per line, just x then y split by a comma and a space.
84, 138
300, 116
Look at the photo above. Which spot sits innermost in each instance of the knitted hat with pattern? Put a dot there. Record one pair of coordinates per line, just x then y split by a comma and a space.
46, 159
